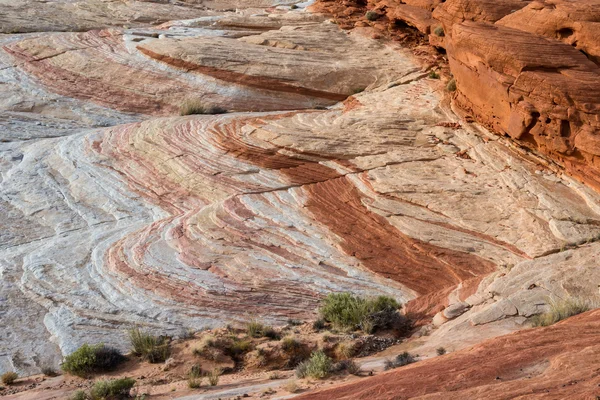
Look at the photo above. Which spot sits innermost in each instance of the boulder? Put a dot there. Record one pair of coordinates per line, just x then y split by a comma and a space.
539, 91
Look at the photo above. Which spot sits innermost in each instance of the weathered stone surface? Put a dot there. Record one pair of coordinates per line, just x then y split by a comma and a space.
574, 22
539, 363
544, 93
457, 11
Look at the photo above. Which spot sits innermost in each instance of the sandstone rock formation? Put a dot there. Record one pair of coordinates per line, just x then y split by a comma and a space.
116, 210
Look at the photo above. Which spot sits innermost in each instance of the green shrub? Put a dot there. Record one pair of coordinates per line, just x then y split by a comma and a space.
113, 389
434, 75
318, 366
372, 15
440, 351
256, 329
400, 361
195, 377
151, 348
90, 359
439, 31
79, 395
562, 309
451, 86
237, 347
295, 350
348, 312
214, 375
9, 378
191, 107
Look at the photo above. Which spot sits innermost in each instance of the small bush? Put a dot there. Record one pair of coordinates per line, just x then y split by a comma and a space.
191, 107
294, 322
79, 395
372, 15
151, 348
293, 6
400, 361
112, 389
344, 350
439, 31
237, 348
434, 75
9, 378
291, 387
451, 86
90, 359
214, 375
271, 333
255, 329
195, 377
295, 350
318, 325
562, 309
318, 366
348, 312
275, 375
440, 351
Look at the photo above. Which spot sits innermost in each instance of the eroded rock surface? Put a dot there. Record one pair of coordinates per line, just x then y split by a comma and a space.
118, 211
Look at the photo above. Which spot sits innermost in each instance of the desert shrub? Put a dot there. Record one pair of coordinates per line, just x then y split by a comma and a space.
440, 351
434, 75
318, 366
439, 31
318, 325
293, 6
562, 309
9, 378
294, 322
254, 329
344, 350
275, 375
372, 15
295, 350
79, 395
214, 375
400, 361
451, 86
349, 312
151, 348
112, 389
291, 387
270, 333
195, 377
89, 359
190, 107
237, 348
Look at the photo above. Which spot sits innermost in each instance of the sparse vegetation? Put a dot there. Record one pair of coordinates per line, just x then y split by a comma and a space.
256, 329
295, 350
91, 359
372, 15
400, 361
79, 395
562, 309
344, 350
9, 378
195, 377
291, 387
352, 368
318, 325
113, 389
214, 376
151, 348
440, 351
451, 86
318, 366
434, 75
294, 322
348, 312
439, 31
190, 107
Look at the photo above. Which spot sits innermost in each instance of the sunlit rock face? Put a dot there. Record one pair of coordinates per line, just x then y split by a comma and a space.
118, 211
